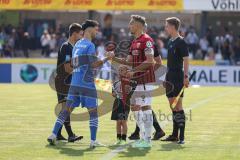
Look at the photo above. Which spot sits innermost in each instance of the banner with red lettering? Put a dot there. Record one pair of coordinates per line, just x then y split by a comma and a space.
161, 5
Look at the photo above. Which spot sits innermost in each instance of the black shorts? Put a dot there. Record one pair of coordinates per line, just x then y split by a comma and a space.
120, 111
175, 80
61, 98
61, 89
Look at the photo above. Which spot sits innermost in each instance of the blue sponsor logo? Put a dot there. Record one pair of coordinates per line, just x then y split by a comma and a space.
28, 73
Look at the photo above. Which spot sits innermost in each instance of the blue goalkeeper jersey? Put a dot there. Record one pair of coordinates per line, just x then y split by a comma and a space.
84, 54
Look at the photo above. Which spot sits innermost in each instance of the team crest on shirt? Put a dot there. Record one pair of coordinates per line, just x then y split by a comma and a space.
149, 44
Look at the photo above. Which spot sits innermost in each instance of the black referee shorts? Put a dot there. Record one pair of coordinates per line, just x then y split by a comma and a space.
61, 89
175, 80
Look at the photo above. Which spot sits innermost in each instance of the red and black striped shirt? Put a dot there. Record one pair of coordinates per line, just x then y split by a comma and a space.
137, 51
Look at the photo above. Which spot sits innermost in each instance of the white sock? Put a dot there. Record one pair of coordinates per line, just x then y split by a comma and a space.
138, 115
148, 123
53, 135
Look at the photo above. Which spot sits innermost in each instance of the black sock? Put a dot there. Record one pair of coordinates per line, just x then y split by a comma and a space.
155, 123
124, 136
59, 132
119, 136
181, 124
68, 127
137, 130
175, 124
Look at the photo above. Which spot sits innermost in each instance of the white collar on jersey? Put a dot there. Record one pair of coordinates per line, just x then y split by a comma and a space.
71, 44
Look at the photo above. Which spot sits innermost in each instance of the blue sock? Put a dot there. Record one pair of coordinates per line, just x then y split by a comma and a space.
60, 120
93, 124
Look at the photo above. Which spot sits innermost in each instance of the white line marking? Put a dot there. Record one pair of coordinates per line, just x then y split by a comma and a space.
114, 152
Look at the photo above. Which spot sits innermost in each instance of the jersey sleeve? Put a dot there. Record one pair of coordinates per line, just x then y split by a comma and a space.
91, 49
183, 49
148, 46
62, 56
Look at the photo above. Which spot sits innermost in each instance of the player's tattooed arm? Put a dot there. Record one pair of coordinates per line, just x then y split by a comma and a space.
147, 63
99, 63
124, 61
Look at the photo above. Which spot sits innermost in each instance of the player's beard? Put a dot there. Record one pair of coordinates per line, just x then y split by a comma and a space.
93, 35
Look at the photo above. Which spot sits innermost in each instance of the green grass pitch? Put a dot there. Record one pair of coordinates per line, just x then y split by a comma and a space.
27, 117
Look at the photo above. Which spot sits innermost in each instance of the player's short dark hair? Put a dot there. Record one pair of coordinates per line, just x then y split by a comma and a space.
174, 21
140, 19
74, 27
89, 23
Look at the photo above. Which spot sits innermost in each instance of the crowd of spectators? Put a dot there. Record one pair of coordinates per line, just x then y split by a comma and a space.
46, 39
37, 38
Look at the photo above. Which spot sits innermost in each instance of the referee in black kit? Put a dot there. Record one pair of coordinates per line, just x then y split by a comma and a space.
177, 75
63, 78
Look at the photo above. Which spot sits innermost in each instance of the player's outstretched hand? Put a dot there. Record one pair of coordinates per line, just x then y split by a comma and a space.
129, 74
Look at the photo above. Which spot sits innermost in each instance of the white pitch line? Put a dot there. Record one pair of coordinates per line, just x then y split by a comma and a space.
114, 152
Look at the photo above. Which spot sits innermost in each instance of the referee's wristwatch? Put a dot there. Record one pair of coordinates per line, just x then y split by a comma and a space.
185, 76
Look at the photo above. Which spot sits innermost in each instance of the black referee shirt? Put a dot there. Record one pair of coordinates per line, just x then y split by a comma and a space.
177, 49
64, 56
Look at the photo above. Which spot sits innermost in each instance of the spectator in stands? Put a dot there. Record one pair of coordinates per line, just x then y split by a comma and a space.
228, 35
192, 40
2, 38
209, 36
218, 48
227, 51
123, 34
39, 32
204, 44
45, 40
19, 36
219, 40
53, 43
11, 43
107, 29
26, 44
31, 33
161, 48
183, 30
236, 50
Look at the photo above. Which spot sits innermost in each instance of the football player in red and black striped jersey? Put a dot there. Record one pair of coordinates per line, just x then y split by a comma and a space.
141, 58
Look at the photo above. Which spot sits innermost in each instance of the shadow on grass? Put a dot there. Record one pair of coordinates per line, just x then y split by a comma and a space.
128, 151
134, 152
68, 149
171, 146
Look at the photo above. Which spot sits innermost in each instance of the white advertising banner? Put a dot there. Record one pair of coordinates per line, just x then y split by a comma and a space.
205, 75
31, 73
216, 75
212, 5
